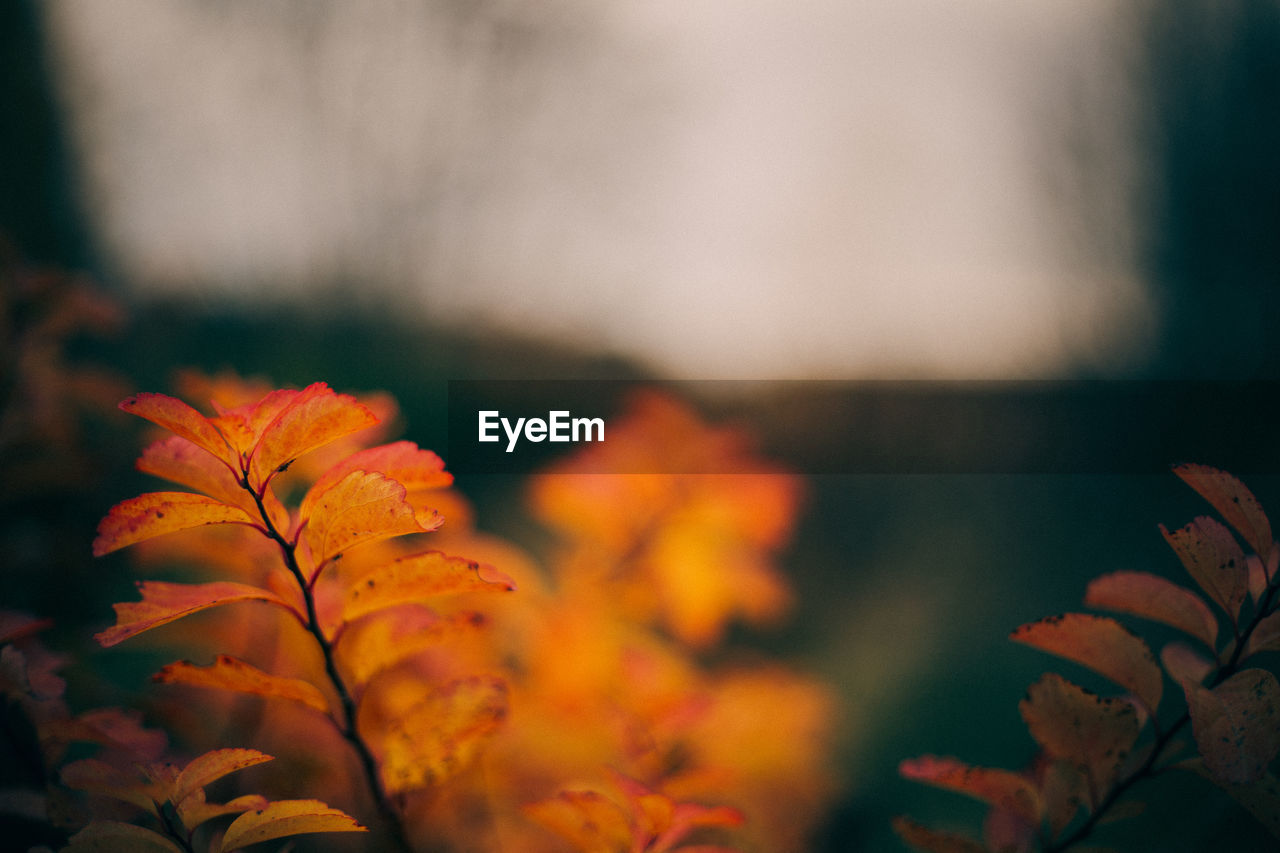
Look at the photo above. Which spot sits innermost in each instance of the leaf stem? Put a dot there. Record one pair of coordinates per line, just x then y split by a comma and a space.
346, 725
1147, 768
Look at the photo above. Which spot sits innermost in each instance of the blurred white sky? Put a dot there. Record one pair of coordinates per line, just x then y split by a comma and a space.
738, 188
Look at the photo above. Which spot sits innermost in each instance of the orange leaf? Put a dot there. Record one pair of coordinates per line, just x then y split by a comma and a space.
402, 461
180, 419
1265, 637
1069, 722
362, 507
1003, 789
588, 819
312, 419
1101, 644
1237, 725
157, 513
1233, 500
412, 579
440, 735
164, 602
210, 767
283, 818
228, 673
1153, 597
369, 646
179, 461
1212, 556
923, 838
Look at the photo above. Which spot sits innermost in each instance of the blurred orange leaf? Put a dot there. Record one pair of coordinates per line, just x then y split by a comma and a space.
440, 735
587, 819
180, 419
1237, 725
1233, 500
164, 602
312, 418
210, 767
923, 838
369, 646
1094, 733
362, 507
1003, 789
412, 579
1101, 644
283, 818
1153, 597
1212, 556
228, 673
98, 777
158, 513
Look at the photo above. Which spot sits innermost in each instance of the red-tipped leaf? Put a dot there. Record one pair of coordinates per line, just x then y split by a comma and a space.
164, 602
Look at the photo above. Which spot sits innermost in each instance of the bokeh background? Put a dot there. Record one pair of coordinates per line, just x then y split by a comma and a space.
393, 194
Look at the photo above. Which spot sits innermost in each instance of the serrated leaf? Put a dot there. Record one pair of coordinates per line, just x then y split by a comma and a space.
1094, 733
210, 767
314, 417
229, 673
1213, 557
1261, 797
402, 461
1237, 725
164, 602
1265, 637
284, 818
1101, 644
111, 836
1233, 501
157, 513
180, 419
1152, 597
923, 838
1003, 789
437, 737
1184, 663
415, 578
360, 508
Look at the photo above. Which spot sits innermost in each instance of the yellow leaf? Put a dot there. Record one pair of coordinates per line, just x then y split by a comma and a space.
1103, 645
164, 602
158, 513
283, 818
418, 577
194, 810
228, 673
210, 767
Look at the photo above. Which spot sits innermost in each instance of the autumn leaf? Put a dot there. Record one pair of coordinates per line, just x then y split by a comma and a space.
1003, 789
164, 602
588, 819
158, 513
194, 810
1237, 725
1094, 733
228, 673
313, 418
1212, 556
402, 461
112, 836
114, 728
180, 419
658, 822
1265, 636
1101, 644
98, 777
1153, 597
1184, 663
437, 737
1233, 500
368, 646
923, 838
362, 507
283, 818
179, 461
418, 577
210, 767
